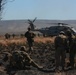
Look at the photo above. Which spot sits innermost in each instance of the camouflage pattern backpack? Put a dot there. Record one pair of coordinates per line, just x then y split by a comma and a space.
17, 57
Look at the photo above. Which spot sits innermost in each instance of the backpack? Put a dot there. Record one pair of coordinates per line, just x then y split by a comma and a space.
17, 57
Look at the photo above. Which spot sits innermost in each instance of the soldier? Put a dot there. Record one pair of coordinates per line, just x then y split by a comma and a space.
7, 36
72, 47
72, 53
69, 37
6, 62
60, 49
22, 60
7, 55
13, 35
29, 35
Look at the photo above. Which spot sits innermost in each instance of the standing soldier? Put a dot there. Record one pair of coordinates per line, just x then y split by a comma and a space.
30, 35
13, 35
7, 36
72, 53
72, 47
60, 49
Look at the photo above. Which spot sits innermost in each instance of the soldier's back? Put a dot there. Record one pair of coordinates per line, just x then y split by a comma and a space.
60, 40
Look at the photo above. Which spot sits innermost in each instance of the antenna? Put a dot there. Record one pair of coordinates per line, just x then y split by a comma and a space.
59, 24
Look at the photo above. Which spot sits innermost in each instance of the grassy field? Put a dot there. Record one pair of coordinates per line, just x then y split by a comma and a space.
43, 53
23, 40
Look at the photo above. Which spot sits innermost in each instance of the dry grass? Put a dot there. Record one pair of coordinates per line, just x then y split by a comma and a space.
23, 40
44, 39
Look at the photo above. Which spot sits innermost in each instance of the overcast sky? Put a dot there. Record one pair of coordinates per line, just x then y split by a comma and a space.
42, 9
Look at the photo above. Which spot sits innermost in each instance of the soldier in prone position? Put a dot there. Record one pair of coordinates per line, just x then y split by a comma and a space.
24, 59
20, 60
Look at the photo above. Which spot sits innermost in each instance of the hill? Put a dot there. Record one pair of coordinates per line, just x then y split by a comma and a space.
20, 26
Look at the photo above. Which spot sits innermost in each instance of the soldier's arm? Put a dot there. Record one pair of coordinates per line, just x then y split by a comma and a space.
72, 43
32, 35
29, 58
55, 42
34, 64
66, 45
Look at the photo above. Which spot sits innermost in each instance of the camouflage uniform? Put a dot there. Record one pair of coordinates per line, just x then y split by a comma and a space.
72, 52
60, 49
22, 60
29, 35
16, 60
7, 62
72, 47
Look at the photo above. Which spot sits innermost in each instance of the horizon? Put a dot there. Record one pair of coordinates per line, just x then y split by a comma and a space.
37, 19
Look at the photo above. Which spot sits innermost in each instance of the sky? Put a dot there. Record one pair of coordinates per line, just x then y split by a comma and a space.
42, 9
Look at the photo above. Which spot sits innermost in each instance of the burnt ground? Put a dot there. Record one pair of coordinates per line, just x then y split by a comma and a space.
43, 54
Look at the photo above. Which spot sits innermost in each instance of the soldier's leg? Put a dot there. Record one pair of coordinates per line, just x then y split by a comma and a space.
30, 46
36, 65
63, 55
57, 58
72, 55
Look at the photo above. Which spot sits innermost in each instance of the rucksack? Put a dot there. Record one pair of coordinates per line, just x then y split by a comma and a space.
17, 57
